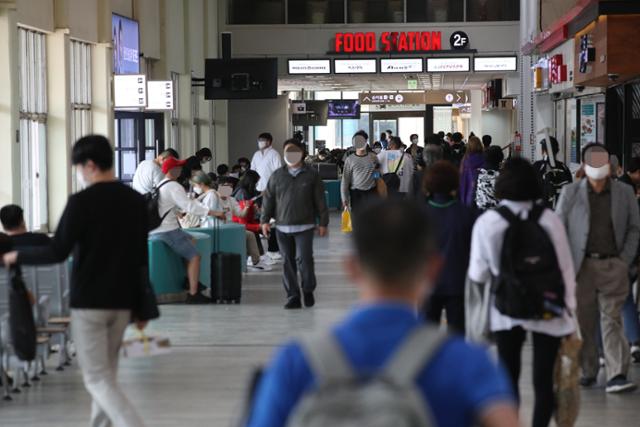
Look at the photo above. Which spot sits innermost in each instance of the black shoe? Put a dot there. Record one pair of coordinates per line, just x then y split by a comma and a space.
309, 300
587, 382
620, 384
197, 299
293, 304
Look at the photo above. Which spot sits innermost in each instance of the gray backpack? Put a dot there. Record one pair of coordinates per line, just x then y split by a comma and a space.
389, 398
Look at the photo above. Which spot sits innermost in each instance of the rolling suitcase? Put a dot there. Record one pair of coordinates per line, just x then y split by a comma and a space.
226, 275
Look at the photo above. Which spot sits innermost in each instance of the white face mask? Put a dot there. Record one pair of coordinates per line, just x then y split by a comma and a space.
197, 190
292, 158
80, 180
262, 144
234, 175
597, 174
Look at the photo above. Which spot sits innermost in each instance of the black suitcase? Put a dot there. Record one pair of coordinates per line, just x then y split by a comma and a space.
226, 278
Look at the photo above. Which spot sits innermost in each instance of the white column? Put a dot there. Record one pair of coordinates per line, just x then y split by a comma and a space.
59, 141
529, 14
102, 107
9, 106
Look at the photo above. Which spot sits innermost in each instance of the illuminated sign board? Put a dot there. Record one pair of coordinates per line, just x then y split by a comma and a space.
432, 97
388, 41
355, 66
495, 63
446, 65
405, 65
309, 66
160, 95
130, 91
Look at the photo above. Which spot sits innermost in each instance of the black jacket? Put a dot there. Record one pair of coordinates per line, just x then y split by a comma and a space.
295, 200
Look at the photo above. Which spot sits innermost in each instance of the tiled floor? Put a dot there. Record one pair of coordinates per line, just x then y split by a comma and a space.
201, 383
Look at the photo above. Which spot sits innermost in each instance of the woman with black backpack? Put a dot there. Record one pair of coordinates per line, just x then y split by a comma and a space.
522, 248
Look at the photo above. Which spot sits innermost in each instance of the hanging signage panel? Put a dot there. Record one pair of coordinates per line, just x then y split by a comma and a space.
355, 66
309, 66
446, 65
388, 41
407, 65
495, 63
160, 95
130, 91
434, 97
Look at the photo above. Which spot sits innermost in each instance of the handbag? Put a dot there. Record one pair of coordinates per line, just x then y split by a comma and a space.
147, 308
477, 307
346, 221
566, 381
22, 325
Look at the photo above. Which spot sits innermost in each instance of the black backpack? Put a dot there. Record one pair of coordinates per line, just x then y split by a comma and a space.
22, 325
530, 284
553, 179
152, 201
391, 179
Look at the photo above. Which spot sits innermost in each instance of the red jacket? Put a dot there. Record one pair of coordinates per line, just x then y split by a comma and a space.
250, 221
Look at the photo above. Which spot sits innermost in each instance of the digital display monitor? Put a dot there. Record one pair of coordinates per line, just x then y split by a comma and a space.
315, 114
125, 39
241, 78
344, 109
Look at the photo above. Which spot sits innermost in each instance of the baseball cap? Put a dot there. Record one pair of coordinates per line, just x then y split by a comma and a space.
171, 163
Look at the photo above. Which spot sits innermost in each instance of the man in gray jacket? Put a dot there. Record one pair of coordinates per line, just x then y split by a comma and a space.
295, 198
603, 225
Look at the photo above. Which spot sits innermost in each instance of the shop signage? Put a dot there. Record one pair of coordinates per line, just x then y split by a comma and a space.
355, 66
495, 63
406, 65
160, 95
557, 70
309, 66
130, 91
587, 53
541, 74
126, 45
588, 123
446, 65
459, 40
434, 97
388, 41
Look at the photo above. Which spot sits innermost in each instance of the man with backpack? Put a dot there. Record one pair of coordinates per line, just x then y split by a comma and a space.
552, 173
168, 198
603, 225
383, 366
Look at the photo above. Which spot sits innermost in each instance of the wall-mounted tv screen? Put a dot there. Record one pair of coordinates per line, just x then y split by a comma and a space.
242, 78
315, 114
125, 38
344, 109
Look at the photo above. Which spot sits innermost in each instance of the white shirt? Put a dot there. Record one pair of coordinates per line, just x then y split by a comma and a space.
173, 198
147, 176
389, 162
486, 249
211, 199
265, 163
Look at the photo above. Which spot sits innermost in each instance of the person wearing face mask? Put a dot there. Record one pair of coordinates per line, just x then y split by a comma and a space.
224, 172
358, 181
105, 227
602, 220
245, 165
414, 150
377, 147
266, 160
192, 164
174, 199
295, 198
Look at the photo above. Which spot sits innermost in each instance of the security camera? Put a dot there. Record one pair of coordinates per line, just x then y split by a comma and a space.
613, 76
580, 88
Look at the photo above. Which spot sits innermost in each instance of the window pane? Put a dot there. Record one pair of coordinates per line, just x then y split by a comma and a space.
349, 127
361, 11
149, 154
493, 10
129, 164
127, 133
435, 10
316, 12
244, 12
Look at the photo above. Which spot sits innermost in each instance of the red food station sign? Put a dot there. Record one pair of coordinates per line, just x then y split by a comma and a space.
389, 41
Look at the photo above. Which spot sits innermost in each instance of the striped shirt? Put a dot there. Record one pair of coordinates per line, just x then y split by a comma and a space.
357, 174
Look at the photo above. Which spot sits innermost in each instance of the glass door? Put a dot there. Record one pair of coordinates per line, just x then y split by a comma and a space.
380, 126
138, 137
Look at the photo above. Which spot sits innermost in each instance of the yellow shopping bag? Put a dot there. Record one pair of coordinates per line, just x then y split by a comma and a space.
346, 221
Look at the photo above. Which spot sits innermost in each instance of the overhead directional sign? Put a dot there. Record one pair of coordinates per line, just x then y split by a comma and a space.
434, 97
355, 66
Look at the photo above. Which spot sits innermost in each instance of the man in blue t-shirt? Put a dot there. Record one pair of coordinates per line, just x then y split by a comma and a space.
393, 265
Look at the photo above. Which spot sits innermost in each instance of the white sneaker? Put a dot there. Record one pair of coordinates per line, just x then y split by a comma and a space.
259, 267
275, 256
635, 353
266, 259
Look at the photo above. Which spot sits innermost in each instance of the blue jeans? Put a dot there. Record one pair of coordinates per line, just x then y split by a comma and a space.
630, 319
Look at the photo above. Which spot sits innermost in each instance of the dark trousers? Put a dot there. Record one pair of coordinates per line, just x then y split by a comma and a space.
297, 251
259, 240
273, 243
545, 351
360, 198
452, 305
